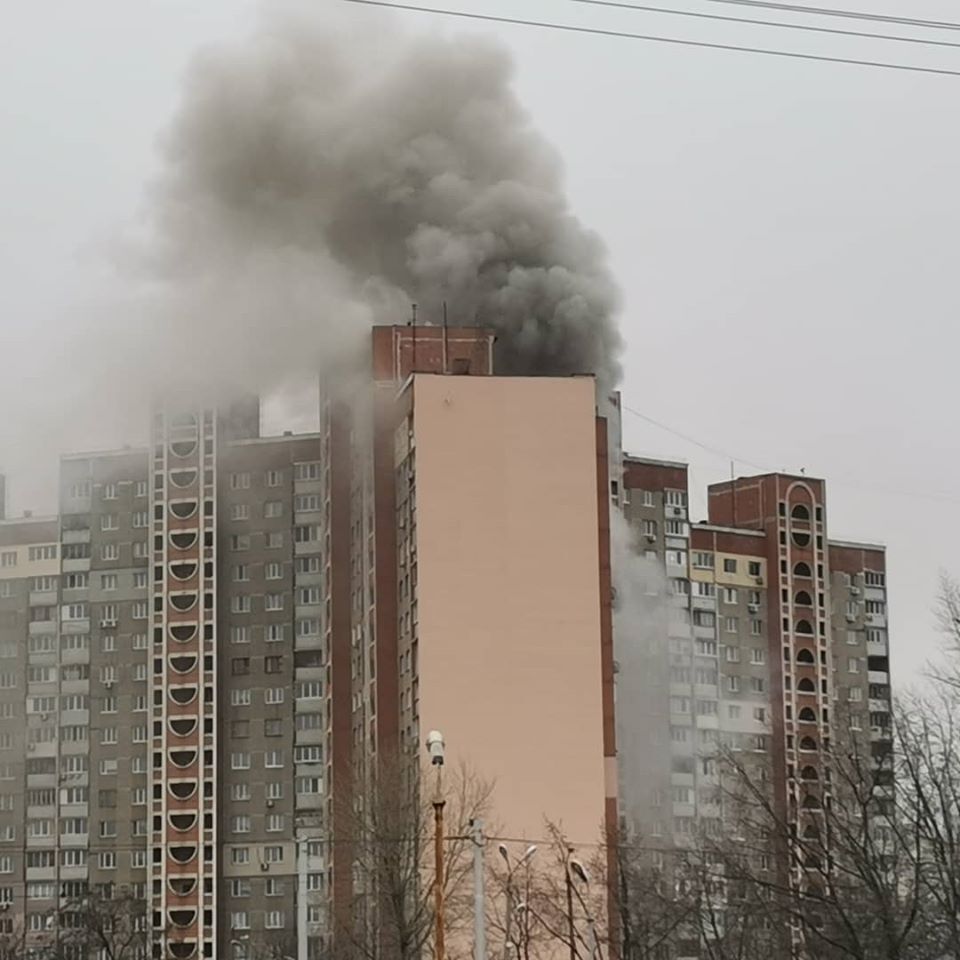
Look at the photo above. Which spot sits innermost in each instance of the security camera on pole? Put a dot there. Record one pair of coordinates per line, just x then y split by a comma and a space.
435, 747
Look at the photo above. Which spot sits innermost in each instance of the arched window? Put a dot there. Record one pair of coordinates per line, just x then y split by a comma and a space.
806, 715
183, 918
802, 569
809, 773
811, 832
805, 656
805, 685
803, 627
182, 886
800, 512
808, 743
182, 789
801, 538
183, 854
182, 949
811, 802
803, 599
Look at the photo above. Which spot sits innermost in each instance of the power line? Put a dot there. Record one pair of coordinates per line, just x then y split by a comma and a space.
854, 484
834, 31
849, 14
675, 41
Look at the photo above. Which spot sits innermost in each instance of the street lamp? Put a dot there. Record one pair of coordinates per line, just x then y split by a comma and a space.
576, 870
435, 748
525, 859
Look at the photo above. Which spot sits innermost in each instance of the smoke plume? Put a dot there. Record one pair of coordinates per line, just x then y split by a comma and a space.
320, 179
316, 179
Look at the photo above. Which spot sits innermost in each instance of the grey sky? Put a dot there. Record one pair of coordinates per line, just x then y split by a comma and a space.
782, 231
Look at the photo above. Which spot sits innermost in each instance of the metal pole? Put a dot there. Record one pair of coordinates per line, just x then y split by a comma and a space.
302, 899
509, 917
570, 927
479, 900
438, 806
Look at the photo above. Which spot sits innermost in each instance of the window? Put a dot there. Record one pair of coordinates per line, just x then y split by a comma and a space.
274, 540
706, 708
240, 541
240, 888
311, 753
307, 471
875, 606
276, 823
853, 638
274, 790
239, 481
754, 568
8, 558
239, 635
140, 580
273, 728
140, 550
649, 528
240, 855
240, 603
733, 684
309, 689
141, 489
756, 628
274, 478
306, 596
274, 633
703, 561
677, 705
758, 655
240, 760
309, 564
306, 533
757, 684
240, 666
308, 502
240, 511
141, 519
733, 654
240, 920
706, 589
309, 785
240, 698
675, 498
240, 823
241, 573
273, 571
308, 627
872, 578
75, 611
273, 854
109, 521
855, 694
273, 920
273, 601
729, 565
733, 711
853, 665
273, 509
729, 595
760, 714
273, 664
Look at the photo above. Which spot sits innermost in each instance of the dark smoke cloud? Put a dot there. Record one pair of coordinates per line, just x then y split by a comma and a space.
319, 179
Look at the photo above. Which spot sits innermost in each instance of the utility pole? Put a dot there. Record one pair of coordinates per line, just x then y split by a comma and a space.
479, 900
570, 927
435, 748
302, 847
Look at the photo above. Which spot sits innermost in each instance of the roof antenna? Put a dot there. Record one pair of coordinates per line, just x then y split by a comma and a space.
444, 342
413, 337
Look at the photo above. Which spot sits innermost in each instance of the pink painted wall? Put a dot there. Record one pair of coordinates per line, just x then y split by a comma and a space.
508, 592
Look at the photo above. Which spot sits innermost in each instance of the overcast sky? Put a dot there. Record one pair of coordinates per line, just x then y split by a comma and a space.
784, 233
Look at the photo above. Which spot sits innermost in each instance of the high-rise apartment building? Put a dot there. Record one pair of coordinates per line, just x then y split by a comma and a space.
222, 636
766, 637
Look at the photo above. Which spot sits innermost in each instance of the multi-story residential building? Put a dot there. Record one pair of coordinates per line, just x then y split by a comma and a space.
222, 636
773, 640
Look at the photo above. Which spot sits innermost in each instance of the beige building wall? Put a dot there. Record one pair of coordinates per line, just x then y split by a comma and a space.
508, 592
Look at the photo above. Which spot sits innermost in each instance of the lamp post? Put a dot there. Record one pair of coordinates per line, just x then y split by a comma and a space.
435, 748
525, 859
575, 869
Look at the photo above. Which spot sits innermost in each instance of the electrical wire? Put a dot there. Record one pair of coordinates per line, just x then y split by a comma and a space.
654, 38
848, 14
834, 31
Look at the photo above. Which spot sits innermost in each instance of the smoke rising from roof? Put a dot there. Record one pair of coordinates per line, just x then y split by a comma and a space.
317, 180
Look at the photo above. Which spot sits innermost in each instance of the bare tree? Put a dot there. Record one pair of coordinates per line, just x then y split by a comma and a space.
392, 820
110, 927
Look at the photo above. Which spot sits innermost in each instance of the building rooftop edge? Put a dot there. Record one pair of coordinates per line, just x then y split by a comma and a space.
275, 438
14, 521
655, 462
857, 545
93, 454
719, 528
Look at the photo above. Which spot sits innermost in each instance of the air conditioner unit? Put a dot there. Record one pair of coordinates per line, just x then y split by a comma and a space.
108, 623
678, 511
651, 538
758, 580
264, 867
108, 684
753, 607
269, 804
855, 591
851, 618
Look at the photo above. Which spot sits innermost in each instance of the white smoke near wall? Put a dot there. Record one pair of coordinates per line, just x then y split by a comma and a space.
315, 180
642, 651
